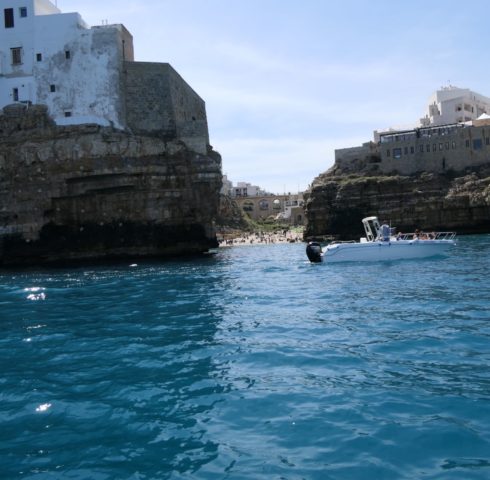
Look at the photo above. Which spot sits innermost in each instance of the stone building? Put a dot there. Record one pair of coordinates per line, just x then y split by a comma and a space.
433, 148
88, 75
287, 208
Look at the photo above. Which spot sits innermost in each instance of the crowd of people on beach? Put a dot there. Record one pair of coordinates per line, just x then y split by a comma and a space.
261, 238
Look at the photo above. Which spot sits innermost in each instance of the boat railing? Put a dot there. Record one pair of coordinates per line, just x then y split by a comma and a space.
426, 236
335, 242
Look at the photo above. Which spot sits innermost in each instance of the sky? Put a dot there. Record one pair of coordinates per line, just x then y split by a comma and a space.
286, 82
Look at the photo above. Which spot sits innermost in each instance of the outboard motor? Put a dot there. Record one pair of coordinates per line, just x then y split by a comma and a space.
314, 252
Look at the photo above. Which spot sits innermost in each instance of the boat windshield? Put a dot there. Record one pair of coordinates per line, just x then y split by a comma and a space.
371, 227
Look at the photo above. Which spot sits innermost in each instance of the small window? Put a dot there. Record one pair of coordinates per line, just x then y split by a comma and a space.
434, 147
8, 14
67, 114
428, 147
39, 57
487, 141
52, 88
67, 54
447, 145
397, 153
23, 12
440, 146
467, 143
16, 55
405, 151
388, 152
421, 148
412, 150
477, 143
15, 94
453, 145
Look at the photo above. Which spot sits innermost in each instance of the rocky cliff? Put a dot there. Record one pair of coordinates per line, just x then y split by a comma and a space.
338, 200
90, 192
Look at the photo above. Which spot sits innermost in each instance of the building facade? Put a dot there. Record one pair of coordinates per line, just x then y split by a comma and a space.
245, 189
286, 208
88, 75
454, 105
432, 148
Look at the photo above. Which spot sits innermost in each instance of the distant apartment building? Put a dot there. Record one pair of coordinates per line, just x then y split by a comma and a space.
455, 134
88, 75
227, 186
243, 189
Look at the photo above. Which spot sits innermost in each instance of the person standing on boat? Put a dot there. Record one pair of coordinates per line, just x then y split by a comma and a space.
385, 232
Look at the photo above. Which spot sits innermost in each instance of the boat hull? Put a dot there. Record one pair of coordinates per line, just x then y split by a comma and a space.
379, 251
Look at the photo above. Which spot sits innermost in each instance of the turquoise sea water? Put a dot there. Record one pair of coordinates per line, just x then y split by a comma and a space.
250, 364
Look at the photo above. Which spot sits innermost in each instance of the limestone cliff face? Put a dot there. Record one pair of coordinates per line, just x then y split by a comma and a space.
337, 202
91, 192
231, 216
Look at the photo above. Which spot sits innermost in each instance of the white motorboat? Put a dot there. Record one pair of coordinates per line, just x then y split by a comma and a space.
380, 243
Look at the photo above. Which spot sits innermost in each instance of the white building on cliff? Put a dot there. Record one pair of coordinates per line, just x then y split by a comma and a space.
454, 105
88, 75
55, 59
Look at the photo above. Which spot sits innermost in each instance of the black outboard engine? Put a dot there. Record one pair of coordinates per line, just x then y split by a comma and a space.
314, 252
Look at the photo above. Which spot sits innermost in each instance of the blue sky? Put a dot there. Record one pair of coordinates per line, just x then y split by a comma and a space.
286, 82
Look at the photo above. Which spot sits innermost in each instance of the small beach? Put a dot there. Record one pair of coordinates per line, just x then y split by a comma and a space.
261, 238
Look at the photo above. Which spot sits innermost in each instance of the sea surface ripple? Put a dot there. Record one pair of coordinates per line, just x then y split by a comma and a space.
249, 364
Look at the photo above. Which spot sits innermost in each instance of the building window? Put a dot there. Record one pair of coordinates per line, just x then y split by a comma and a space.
397, 153
421, 148
67, 114
453, 145
467, 143
388, 152
428, 147
67, 54
477, 144
15, 94
434, 147
412, 150
440, 146
39, 57
8, 14
405, 151
16, 55
447, 145
23, 12
487, 141
52, 88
